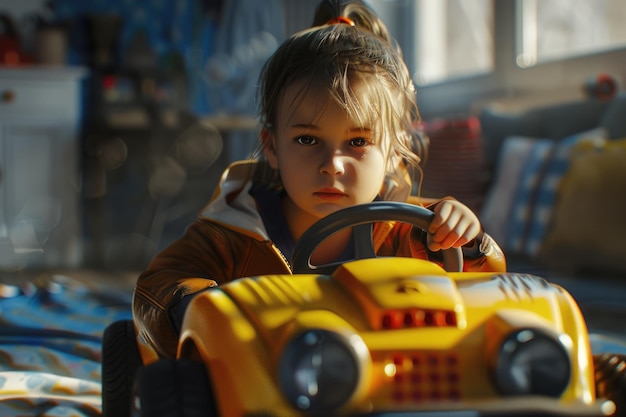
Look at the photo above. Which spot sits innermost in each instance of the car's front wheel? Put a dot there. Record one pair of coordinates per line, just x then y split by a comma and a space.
175, 388
120, 362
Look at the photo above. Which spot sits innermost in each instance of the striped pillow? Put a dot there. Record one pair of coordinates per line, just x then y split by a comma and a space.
521, 201
548, 188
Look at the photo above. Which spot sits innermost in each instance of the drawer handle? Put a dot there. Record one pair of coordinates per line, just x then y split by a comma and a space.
8, 96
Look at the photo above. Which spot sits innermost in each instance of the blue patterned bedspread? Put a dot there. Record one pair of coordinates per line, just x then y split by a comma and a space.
50, 345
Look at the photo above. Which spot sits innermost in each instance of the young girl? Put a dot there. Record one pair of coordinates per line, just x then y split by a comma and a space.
335, 132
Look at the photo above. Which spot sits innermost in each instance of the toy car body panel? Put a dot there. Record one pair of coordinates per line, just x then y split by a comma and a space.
392, 336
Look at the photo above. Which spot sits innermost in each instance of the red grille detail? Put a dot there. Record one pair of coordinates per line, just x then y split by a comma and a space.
423, 377
399, 319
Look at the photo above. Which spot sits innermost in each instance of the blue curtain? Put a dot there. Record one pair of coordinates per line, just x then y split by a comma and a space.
182, 28
248, 34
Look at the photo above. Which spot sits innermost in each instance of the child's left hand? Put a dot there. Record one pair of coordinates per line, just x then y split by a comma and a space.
454, 225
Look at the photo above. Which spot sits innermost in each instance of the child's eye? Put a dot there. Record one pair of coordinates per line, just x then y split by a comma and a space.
358, 142
306, 140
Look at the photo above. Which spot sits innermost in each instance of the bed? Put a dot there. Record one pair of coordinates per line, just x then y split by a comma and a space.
50, 336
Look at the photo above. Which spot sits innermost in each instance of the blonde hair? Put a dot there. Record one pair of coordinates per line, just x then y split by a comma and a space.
335, 58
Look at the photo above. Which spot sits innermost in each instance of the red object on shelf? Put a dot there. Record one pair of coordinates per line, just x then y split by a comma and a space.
10, 48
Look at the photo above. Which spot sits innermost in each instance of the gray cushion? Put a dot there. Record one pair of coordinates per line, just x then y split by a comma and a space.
614, 118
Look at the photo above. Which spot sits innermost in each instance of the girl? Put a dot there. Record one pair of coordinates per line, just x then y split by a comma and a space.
337, 107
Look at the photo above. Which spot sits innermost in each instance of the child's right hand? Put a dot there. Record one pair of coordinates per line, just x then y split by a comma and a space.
454, 225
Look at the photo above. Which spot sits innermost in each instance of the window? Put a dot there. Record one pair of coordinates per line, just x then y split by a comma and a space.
556, 29
441, 39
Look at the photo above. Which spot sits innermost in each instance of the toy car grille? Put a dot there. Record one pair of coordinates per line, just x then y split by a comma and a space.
425, 377
400, 319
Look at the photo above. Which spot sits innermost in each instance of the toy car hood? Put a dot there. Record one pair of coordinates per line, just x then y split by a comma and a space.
420, 339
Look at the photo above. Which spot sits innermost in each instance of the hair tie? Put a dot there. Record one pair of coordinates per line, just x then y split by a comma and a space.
339, 20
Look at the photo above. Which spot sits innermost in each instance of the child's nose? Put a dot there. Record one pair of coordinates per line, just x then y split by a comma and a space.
333, 164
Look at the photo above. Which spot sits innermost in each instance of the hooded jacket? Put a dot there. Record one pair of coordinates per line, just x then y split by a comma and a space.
228, 240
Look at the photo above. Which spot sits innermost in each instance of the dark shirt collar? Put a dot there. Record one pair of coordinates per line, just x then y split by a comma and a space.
269, 207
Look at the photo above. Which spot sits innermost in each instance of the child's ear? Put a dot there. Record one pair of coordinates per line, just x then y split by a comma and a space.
269, 147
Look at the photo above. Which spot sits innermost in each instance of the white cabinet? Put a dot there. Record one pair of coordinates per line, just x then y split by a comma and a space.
40, 216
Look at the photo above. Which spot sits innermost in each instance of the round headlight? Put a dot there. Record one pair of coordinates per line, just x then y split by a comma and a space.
531, 362
318, 371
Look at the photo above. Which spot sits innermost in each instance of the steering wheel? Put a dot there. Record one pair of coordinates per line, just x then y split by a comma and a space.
361, 218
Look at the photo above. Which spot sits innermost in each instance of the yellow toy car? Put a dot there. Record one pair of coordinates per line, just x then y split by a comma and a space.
384, 337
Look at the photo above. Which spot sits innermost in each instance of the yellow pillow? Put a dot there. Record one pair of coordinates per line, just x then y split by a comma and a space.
588, 230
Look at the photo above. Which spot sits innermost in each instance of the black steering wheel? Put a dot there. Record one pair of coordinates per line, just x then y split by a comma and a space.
361, 218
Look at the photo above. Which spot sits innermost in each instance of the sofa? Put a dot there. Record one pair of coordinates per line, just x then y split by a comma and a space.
548, 183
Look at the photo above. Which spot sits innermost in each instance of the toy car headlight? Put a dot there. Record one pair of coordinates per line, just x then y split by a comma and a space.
531, 362
319, 371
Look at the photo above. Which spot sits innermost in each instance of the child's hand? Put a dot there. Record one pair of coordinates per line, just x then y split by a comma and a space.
454, 225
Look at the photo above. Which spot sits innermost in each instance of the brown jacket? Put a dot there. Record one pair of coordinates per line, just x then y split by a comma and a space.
228, 241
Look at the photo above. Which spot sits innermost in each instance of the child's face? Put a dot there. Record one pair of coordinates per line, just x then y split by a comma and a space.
326, 160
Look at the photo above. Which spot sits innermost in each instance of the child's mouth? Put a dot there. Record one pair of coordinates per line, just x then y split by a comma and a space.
330, 194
